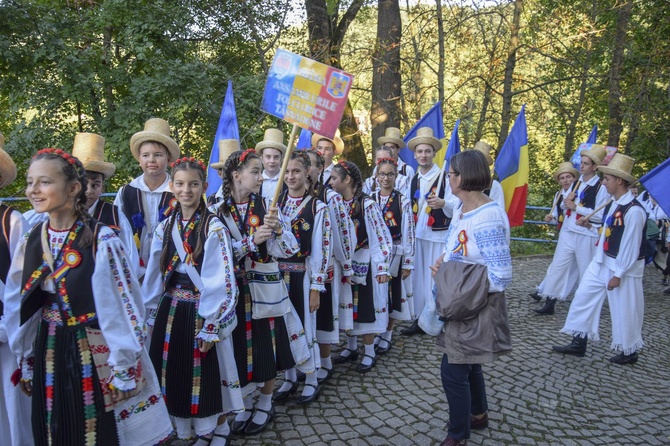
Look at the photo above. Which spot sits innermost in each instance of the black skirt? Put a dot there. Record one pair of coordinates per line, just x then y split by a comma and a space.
324, 315
395, 293
364, 302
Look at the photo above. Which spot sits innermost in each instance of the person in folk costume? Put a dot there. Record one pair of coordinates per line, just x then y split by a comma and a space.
333, 315
271, 150
328, 148
432, 214
615, 271
565, 175
371, 261
190, 291
264, 346
371, 184
147, 200
495, 191
397, 211
305, 272
72, 298
393, 141
14, 405
576, 244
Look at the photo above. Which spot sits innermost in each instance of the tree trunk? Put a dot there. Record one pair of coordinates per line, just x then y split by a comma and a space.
572, 125
440, 52
614, 101
509, 73
386, 80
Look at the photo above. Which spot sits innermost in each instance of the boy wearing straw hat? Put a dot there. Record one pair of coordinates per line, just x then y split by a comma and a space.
393, 140
147, 200
614, 273
271, 150
226, 148
15, 426
495, 192
328, 148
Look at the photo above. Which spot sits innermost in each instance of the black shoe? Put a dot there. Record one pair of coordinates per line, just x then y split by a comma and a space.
253, 428
226, 437
412, 329
366, 368
312, 397
667, 291
327, 377
341, 359
301, 377
238, 427
282, 395
622, 359
535, 296
383, 350
548, 307
577, 347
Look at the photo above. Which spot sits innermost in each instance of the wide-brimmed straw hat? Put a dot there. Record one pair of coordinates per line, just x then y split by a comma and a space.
565, 167
485, 148
392, 135
424, 135
621, 166
90, 149
226, 148
597, 153
7, 165
272, 139
155, 129
336, 140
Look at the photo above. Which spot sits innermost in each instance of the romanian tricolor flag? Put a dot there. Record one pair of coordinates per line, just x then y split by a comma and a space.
512, 170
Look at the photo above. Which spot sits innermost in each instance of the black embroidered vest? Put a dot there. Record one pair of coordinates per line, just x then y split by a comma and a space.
261, 255
359, 223
5, 255
108, 214
441, 221
302, 226
392, 214
616, 225
77, 282
588, 195
134, 209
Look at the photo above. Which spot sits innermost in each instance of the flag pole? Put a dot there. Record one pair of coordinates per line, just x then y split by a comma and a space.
595, 211
284, 165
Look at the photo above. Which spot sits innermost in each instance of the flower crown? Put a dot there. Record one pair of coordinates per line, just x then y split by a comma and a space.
387, 160
189, 159
246, 153
73, 161
345, 166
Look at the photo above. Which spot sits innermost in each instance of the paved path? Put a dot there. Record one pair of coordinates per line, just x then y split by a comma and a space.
535, 397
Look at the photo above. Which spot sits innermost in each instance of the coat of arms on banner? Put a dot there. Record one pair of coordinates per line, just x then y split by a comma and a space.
338, 84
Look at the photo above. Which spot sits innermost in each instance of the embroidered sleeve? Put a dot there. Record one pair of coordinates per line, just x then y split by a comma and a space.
408, 235
369, 186
493, 245
381, 244
283, 245
321, 249
344, 233
243, 247
152, 285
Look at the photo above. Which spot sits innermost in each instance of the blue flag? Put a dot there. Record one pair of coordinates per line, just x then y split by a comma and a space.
305, 140
454, 144
656, 183
432, 119
576, 159
593, 136
227, 129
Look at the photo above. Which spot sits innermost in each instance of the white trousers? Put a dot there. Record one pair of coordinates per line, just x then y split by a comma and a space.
422, 280
626, 304
572, 251
15, 407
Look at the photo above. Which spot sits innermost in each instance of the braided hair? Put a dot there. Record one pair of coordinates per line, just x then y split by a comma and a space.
74, 171
235, 162
347, 168
317, 159
185, 163
302, 157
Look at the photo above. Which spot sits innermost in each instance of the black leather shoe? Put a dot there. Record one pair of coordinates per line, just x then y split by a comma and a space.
412, 329
226, 437
327, 377
667, 291
254, 428
548, 308
312, 397
577, 347
282, 395
384, 347
535, 296
366, 368
622, 359
352, 356
237, 427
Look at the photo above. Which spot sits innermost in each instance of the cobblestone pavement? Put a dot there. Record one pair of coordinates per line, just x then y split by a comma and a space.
535, 397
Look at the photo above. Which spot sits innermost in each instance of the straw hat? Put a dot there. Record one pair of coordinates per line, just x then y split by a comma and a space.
424, 136
7, 165
90, 149
272, 139
337, 141
621, 166
226, 148
566, 167
485, 148
597, 153
155, 129
392, 135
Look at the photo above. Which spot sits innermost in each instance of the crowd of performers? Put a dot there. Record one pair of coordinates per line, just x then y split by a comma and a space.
123, 323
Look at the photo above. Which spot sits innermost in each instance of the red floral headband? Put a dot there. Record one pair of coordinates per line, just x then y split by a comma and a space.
345, 166
189, 159
74, 162
387, 160
246, 153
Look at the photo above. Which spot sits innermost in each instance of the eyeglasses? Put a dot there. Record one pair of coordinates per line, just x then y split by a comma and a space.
386, 175
449, 174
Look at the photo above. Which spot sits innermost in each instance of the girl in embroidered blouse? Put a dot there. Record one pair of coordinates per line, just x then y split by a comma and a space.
190, 291
397, 211
64, 271
479, 233
264, 346
371, 266
305, 272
